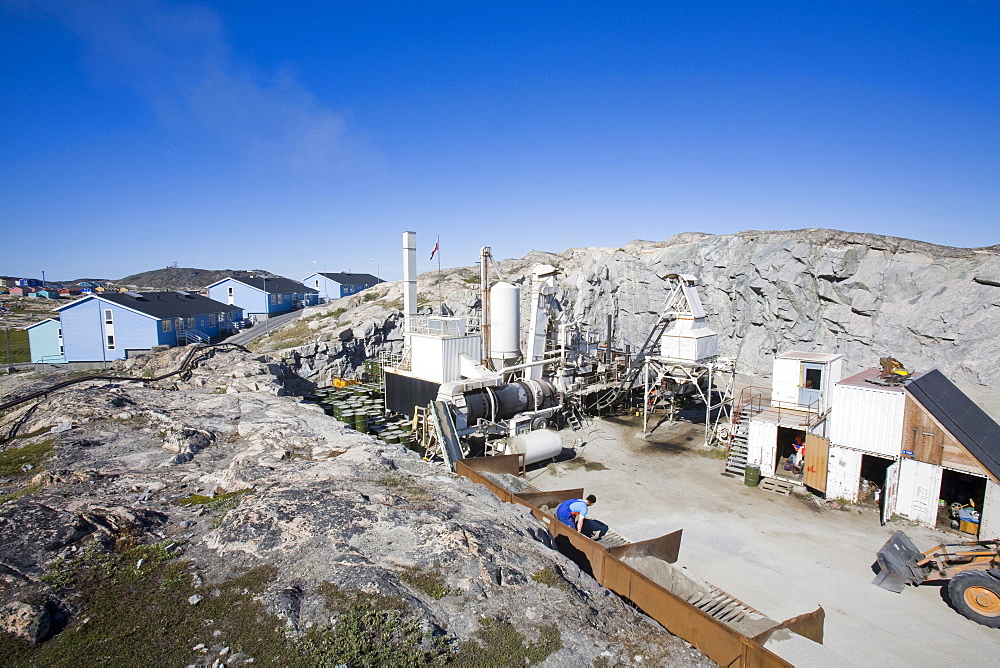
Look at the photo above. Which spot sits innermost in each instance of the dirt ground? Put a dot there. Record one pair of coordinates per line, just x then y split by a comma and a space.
782, 555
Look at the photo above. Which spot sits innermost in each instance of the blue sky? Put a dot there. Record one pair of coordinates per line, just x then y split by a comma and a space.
297, 135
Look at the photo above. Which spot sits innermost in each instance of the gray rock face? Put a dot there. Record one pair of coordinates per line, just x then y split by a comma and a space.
862, 295
27, 621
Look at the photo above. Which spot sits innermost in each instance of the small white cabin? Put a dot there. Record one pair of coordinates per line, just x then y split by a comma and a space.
804, 380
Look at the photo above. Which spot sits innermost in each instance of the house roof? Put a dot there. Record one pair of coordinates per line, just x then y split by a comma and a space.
861, 380
808, 357
273, 284
162, 305
42, 322
960, 415
352, 279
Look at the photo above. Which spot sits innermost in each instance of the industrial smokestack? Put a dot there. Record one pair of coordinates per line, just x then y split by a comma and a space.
409, 280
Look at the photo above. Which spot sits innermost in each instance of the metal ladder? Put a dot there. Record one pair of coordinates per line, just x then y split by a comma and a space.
736, 459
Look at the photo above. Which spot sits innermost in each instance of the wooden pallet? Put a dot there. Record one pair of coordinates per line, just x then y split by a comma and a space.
777, 485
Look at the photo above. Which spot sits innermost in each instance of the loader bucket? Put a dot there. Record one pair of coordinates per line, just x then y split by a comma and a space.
896, 564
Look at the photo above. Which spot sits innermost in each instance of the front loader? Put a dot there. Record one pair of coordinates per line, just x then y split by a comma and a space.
971, 569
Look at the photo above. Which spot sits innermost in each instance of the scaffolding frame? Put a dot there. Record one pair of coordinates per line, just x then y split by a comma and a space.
658, 370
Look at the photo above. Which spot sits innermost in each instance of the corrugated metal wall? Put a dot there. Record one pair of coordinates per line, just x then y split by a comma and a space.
867, 419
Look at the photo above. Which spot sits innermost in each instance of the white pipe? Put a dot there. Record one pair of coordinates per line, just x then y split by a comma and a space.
409, 280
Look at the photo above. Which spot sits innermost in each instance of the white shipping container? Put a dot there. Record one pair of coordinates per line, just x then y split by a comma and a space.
436, 358
867, 418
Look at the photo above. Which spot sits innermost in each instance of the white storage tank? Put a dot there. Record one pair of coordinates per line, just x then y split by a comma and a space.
505, 324
537, 445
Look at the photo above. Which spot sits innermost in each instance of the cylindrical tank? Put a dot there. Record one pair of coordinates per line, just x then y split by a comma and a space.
537, 445
505, 401
505, 323
751, 476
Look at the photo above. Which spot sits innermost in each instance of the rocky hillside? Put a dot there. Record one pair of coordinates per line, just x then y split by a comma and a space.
215, 521
862, 295
184, 278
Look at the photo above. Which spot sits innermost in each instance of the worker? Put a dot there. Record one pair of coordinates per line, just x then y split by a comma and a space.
800, 451
572, 512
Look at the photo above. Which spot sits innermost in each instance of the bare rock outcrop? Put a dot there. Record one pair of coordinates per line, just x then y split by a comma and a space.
278, 514
862, 295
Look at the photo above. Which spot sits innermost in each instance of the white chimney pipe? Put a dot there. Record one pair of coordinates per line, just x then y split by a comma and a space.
409, 280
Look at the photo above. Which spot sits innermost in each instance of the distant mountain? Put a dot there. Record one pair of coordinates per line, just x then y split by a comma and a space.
184, 278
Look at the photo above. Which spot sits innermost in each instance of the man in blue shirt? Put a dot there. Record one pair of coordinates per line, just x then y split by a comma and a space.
572, 512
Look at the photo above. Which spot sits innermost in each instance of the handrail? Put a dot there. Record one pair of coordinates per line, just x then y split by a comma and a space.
186, 365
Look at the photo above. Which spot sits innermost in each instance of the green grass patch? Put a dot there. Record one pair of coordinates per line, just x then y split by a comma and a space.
547, 576
369, 296
18, 493
226, 501
371, 630
133, 616
35, 454
428, 580
17, 339
409, 490
32, 434
499, 643
717, 452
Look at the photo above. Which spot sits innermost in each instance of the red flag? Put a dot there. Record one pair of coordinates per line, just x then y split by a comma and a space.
437, 247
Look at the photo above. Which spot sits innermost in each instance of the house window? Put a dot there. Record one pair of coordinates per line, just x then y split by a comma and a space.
274, 299
61, 351
223, 316
189, 323
316, 284
108, 319
211, 320
230, 292
111, 341
166, 325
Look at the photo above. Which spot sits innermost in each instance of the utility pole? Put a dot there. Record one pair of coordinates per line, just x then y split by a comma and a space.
6, 328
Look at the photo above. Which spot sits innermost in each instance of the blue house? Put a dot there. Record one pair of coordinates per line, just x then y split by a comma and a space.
337, 285
263, 295
46, 342
29, 282
116, 325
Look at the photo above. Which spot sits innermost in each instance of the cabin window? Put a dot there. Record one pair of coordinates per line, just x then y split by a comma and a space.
230, 292
111, 341
190, 323
812, 380
211, 320
108, 318
166, 325
274, 299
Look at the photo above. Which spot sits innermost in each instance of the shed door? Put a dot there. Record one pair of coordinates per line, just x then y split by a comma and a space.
817, 457
811, 385
919, 488
989, 515
762, 446
844, 471
890, 491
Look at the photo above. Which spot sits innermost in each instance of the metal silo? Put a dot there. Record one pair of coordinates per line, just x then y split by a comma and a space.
505, 325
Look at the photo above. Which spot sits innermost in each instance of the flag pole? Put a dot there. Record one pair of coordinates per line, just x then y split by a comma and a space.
437, 245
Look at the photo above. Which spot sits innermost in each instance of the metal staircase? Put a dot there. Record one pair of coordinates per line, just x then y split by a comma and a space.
185, 336
736, 457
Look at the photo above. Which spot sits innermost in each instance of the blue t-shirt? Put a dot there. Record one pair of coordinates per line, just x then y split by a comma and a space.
579, 506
